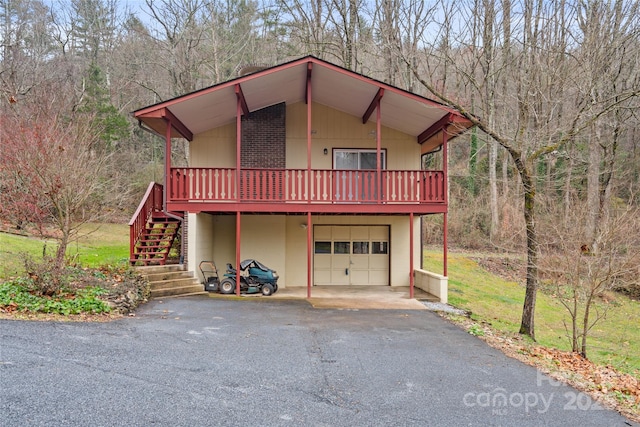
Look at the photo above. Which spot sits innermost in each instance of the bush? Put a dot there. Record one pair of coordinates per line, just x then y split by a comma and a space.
46, 279
73, 290
17, 295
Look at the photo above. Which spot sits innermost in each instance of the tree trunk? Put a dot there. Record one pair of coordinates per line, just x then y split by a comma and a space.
489, 82
585, 328
593, 188
505, 177
527, 326
574, 322
567, 189
493, 187
473, 162
61, 252
609, 168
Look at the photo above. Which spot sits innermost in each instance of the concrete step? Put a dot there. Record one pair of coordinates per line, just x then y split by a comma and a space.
154, 269
169, 275
175, 283
170, 280
179, 291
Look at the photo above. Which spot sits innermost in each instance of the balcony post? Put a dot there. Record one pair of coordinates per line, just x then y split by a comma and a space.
378, 151
167, 163
308, 100
238, 167
445, 163
238, 140
309, 180
445, 168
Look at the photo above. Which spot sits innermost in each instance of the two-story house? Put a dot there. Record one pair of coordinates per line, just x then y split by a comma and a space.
312, 169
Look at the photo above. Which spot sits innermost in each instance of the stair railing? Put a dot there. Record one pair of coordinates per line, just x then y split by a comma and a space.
151, 202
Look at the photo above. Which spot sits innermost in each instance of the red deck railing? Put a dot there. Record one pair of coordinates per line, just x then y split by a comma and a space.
151, 202
302, 185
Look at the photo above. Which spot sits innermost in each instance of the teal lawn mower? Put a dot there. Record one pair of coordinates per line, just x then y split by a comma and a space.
255, 277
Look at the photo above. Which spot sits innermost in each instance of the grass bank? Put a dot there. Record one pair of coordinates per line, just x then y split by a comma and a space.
614, 341
99, 244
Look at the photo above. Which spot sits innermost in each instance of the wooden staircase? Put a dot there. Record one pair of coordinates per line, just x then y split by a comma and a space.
154, 244
170, 280
152, 231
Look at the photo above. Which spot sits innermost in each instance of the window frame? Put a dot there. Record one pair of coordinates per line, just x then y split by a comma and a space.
383, 156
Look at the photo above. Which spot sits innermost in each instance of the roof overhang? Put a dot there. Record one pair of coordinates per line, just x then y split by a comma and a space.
331, 85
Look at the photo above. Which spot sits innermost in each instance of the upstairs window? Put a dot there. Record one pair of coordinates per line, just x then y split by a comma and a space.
353, 159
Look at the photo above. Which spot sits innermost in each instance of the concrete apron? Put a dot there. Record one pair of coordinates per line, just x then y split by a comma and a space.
358, 297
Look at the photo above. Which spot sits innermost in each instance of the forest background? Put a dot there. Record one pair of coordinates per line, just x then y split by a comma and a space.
551, 170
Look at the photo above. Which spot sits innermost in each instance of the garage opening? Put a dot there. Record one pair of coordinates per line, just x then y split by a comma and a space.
351, 255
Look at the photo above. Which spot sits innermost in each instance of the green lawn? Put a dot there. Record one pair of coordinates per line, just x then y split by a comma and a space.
614, 341
100, 244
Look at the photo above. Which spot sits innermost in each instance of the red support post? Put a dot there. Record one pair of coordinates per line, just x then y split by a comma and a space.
238, 253
309, 254
378, 154
309, 180
238, 144
445, 168
445, 248
167, 162
411, 276
308, 101
238, 168
445, 165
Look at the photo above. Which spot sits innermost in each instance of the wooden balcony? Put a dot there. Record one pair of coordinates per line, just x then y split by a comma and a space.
301, 190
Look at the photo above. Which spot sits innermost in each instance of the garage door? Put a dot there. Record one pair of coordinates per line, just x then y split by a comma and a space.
351, 255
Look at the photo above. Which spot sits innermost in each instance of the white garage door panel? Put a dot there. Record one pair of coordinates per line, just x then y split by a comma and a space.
379, 269
340, 233
323, 276
379, 233
359, 233
339, 267
354, 257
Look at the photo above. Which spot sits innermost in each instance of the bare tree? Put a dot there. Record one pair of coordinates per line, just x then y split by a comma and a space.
306, 23
25, 46
346, 25
54, 161
580, 278
609, 38
528, 129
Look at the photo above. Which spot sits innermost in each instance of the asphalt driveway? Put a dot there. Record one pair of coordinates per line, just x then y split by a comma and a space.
202, 361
